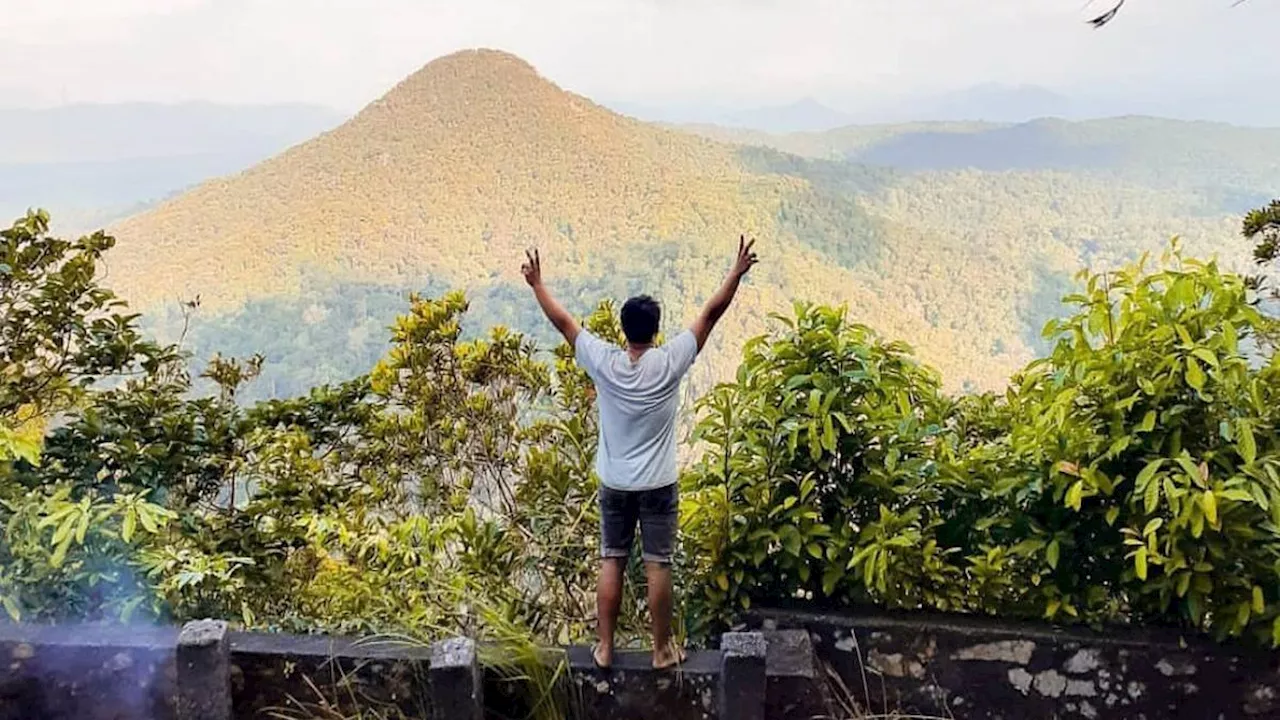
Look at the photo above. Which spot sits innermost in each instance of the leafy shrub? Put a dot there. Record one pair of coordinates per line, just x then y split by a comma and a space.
818, 475
1132, 475
1129, 476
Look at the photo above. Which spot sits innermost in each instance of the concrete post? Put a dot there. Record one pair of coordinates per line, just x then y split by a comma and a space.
457, 685
742, 675
204, 671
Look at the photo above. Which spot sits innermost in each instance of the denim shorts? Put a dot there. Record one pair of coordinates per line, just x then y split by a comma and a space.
656, 511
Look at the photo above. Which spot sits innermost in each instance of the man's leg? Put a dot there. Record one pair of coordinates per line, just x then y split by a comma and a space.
659, 515
618, 515
608, 605
658, 575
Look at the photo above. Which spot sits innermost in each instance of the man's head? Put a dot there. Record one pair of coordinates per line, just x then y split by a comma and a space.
640, 318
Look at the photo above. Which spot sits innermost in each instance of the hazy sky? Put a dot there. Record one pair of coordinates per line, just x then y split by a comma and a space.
344, 53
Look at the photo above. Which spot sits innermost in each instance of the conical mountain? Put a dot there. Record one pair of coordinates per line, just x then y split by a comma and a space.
446, 179
450, 174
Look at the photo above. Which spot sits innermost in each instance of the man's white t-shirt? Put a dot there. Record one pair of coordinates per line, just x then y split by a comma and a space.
638, 404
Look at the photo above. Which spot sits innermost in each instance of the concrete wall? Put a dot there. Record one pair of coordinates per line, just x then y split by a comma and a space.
933, 666
203, 672
108, 673
970, 668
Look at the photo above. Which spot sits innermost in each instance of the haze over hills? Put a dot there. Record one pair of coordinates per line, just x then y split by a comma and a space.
1234, 102
95, 163
447, 178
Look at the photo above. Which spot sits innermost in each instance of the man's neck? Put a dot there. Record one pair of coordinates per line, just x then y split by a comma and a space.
635, 350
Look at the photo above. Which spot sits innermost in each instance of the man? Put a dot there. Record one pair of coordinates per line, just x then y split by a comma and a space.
637, 391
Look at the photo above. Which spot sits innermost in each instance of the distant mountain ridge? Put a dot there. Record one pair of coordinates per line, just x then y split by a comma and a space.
981, 103
444, 181
807, 115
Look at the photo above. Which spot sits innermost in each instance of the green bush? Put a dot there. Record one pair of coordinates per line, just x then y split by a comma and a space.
1131, 476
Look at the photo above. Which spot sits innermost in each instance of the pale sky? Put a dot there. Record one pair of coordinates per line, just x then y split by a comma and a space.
344, 53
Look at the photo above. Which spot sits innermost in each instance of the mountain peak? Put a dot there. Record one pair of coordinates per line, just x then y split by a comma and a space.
477, 61
461, 89
470, 70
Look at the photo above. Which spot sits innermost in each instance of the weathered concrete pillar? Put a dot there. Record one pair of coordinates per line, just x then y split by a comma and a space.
457, 686
742, 676
204, 671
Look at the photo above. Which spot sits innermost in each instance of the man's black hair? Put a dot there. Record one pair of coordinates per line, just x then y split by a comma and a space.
640, 318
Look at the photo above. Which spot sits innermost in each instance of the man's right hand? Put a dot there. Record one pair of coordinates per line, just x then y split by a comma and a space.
746, 258
719, 302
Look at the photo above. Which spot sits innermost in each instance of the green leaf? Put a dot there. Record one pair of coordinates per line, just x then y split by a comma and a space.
11, 607
1112, 514
815, 550
1152, 526
828, 434
796, 381
1147, 472
722, 580
65, 529
1195, 376
1209, 358
60, 552
1245, 442
904, 403
1151, 497
1231, 338
1259, 496
1051, 610
1140, 563
147, 519
1051, 554
1259, 602
1121, 443
1075, 495
129, 607
830, 577
129, 525
791, 542
83, 528
1148, 422
1183, 335
1209, 502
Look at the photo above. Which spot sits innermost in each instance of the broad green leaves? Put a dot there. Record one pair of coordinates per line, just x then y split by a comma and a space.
1133, 473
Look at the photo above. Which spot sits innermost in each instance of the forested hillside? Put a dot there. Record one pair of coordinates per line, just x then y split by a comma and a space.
960, 237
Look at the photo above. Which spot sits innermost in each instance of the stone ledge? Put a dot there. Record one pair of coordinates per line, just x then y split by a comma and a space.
983, 669
633, 690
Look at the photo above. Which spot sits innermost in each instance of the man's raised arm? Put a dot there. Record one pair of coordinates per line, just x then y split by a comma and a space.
556, 313
719, 302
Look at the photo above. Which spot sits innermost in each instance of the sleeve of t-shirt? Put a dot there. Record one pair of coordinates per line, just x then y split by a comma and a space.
590, 352
683, 350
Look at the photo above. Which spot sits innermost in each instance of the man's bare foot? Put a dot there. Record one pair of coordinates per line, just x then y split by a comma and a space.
668, 657
602, 656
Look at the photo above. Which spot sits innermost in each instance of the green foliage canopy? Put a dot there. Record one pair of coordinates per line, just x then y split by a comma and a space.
1131, 475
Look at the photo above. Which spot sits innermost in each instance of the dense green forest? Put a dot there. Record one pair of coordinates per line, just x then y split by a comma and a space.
1132, 474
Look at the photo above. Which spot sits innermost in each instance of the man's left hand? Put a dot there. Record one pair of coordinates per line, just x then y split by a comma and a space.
532, 268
